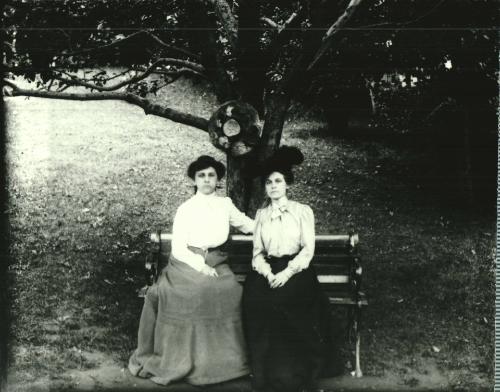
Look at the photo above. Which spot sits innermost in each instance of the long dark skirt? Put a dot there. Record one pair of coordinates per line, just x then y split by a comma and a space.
287, 329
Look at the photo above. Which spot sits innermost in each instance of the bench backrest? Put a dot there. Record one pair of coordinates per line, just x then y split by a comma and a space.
336, 259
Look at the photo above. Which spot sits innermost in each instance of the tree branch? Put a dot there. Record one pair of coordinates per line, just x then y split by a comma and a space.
283, 35
173, 48
288, 23
406, 23
105, 46
177, 72
145, 104
290, 20
334, 28
205, 42
73, 80
128, 37
269, 22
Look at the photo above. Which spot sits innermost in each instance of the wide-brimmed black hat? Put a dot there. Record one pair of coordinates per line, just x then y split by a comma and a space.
281, 161
203, 162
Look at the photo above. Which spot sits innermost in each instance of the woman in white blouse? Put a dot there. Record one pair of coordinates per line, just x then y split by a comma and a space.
190, 326
285, 311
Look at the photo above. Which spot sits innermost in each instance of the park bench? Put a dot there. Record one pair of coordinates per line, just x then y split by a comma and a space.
336, 261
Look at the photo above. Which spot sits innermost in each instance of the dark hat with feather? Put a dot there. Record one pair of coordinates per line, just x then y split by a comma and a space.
282, 161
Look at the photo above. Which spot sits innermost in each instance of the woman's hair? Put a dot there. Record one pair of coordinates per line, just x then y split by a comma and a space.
204, 162
282, 161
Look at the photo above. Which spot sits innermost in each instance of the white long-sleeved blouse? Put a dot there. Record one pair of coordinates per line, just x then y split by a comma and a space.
203, 221
281, 230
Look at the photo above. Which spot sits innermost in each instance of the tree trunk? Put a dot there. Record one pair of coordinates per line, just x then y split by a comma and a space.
277, 105
250, 59
243, 186
204, 39
240, 187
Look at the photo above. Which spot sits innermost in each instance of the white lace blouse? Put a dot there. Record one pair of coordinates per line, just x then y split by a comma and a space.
203, 221
280, 230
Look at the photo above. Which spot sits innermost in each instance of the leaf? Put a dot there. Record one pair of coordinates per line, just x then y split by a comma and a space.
63, 318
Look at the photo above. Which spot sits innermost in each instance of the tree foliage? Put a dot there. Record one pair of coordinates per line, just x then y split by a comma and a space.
264, 53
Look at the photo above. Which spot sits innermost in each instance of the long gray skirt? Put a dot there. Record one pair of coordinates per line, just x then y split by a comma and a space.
190, 327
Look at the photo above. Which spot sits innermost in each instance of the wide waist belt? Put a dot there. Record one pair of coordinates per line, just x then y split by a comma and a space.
274, 259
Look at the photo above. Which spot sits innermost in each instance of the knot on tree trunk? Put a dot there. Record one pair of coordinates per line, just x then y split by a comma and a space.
234, 128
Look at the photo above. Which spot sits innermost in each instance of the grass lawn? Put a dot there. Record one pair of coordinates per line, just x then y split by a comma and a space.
89, 181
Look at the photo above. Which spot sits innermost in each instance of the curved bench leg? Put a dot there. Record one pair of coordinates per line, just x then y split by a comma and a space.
357, 372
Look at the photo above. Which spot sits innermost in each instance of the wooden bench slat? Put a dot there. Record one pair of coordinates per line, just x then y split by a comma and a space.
335, 259
333, 278
347, 301
318, 261
321, 269
327, 241
248, 237
346, 298
325, 279
320, 247
342, 285
247, 249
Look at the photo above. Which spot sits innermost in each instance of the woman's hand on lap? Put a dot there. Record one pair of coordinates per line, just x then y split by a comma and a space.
280, 279
270, 277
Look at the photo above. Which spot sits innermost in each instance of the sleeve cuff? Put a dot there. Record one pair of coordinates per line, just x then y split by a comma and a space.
262, 268
198, 263
290, 271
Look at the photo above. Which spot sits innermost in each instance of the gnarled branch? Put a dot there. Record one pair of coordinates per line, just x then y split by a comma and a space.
73, 80
290, 20
334, 28
173, 48
271, 23
283, 35
145, 104
129, 37
406, 23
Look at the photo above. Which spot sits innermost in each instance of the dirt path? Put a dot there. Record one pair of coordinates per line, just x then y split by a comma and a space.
110, 375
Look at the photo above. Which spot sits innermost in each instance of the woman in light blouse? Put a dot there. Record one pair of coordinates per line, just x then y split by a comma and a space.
190, 326
285, 312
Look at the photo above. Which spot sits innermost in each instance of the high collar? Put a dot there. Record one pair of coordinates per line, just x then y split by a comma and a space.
201, 196
280, 204
278, 208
